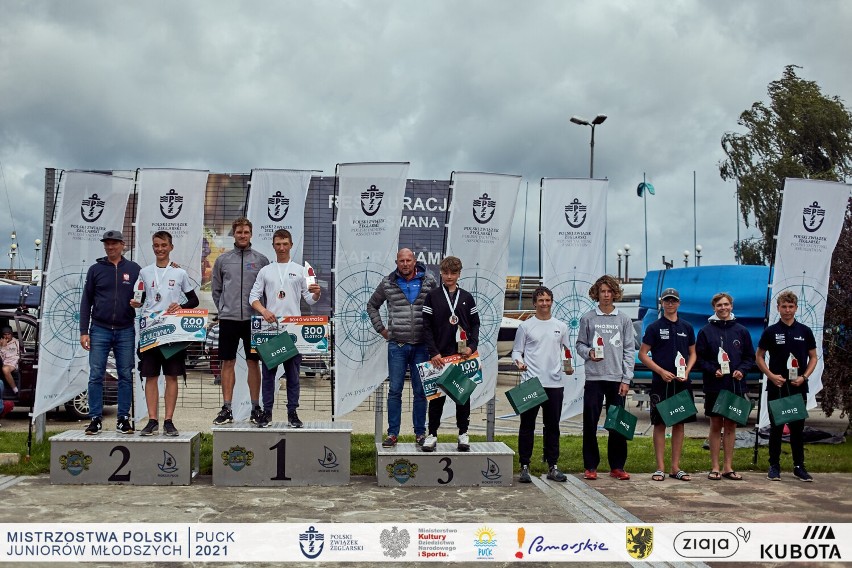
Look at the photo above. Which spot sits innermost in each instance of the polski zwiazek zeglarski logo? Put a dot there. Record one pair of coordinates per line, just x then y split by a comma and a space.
812, 217
575, 214
91, 208
484, 208
171, 204
277, 206
371, 201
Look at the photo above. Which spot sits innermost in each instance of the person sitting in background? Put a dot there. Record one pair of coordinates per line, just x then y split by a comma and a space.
10, 353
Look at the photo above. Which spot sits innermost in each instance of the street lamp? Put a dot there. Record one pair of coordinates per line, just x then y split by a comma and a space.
37, 251
698, 250
686, 259
594, 122
620, 253
626, 262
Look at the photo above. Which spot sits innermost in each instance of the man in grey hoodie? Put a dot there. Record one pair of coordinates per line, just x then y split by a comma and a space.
605, 341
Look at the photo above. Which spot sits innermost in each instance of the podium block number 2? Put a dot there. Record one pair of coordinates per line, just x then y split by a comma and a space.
125, 457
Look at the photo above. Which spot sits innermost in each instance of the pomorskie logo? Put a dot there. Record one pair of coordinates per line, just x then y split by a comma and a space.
484, 208
171, 204
277, 206
371, 201
813, 217
311, 542
91, 208
575, 214
640, 542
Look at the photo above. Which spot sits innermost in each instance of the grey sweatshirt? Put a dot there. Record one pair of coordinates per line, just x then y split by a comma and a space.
616, 329
234, 273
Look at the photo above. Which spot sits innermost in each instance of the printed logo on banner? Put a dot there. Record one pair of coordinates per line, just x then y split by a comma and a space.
277, 206
237, 457
371, 201
640, 542
169, 463
75, 462
575, 214
812, 217
492, 471
311, 542
329, 458
708, 544
485, 543
91, 208
395, 542
484, 208
171, 204
807, 550
402, 470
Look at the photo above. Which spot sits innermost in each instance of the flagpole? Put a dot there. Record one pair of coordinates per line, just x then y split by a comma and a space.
694, 221
645, 203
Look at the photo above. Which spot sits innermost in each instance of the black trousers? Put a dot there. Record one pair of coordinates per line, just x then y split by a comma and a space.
551, 412
436, 409
593, 400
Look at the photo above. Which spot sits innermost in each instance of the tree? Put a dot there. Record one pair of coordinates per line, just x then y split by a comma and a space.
801, 134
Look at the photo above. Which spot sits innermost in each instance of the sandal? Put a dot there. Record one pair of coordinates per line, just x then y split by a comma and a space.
733, 475
659, 476
681, 475
714, 476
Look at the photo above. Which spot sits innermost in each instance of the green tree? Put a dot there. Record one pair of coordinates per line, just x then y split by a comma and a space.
801, 134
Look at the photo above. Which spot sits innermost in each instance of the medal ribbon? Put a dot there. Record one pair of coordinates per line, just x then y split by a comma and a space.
452, 305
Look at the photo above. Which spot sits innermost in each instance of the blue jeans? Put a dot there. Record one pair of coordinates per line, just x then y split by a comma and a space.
123, 343
401, 357
269, 384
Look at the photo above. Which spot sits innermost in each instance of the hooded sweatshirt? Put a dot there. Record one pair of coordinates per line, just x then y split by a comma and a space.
735, 339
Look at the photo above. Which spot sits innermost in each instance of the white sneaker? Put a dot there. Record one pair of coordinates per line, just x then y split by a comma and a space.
464, 443
430, 443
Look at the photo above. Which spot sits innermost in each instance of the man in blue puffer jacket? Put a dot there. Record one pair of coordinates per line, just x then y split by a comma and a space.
404, 290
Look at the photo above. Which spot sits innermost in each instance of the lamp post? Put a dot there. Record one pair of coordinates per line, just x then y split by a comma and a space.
626, 262
620, 253
698, 250
594, 122
686, 259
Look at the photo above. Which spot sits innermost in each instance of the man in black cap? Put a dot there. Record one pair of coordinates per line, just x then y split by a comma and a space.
106, 323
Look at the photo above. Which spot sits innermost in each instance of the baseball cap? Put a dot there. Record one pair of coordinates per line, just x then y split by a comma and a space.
113, 236
670, 293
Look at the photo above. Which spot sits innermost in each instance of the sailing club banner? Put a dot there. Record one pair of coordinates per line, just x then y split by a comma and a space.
369, 208
481, 215
812, 214
573, 233
89, 205
277, 201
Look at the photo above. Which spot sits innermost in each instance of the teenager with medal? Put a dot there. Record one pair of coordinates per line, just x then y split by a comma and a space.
165, 285
671, 343
281, 285
791, 347
725, 355
452, 327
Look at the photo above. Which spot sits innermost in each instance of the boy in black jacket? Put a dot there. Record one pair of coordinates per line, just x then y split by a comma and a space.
450, 315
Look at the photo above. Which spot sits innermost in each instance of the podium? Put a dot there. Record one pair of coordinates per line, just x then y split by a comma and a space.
406, 465
317, 454
125, 459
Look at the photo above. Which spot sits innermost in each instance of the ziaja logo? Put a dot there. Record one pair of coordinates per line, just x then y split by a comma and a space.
706, 544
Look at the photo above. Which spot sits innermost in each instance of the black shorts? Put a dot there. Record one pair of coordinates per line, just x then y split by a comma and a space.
152, 363
709, 403
658, 393
230, 334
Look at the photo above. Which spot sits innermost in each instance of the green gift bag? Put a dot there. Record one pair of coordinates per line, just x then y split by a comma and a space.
788, 409
526, 395
733, 407
677, 408
620, 421
171, 349
277, 350
455, 384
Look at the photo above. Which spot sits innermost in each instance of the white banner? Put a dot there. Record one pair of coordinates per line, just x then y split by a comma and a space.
88, 206
573, 234
812, 214
369, 210
481, 215
277, 201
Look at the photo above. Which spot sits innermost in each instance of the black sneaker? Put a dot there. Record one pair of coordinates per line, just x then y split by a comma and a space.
774, 473
264, 419
389, 442
525, 474
800, 472
293, 419
556, 475
256, 415
94, 428
225, 416
419, 439
169, 428
150, 428
124, 425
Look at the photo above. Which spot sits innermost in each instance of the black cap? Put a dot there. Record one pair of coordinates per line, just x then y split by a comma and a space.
113, 236
670, 293
6, 329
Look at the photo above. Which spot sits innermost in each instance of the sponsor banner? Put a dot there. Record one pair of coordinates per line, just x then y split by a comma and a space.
429, 373
429, 542
161, 328
481, 215
277, 201
369, 209
812, 214
309, 333
89, 205
573, 235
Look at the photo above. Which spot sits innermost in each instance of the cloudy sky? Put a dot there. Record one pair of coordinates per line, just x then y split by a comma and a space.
465, 85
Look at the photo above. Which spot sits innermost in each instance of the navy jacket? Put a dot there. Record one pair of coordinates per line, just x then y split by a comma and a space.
735, 339
107, 293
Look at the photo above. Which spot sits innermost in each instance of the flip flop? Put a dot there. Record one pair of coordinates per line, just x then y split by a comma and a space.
714, 476
732, 475
658, 476
681, 475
